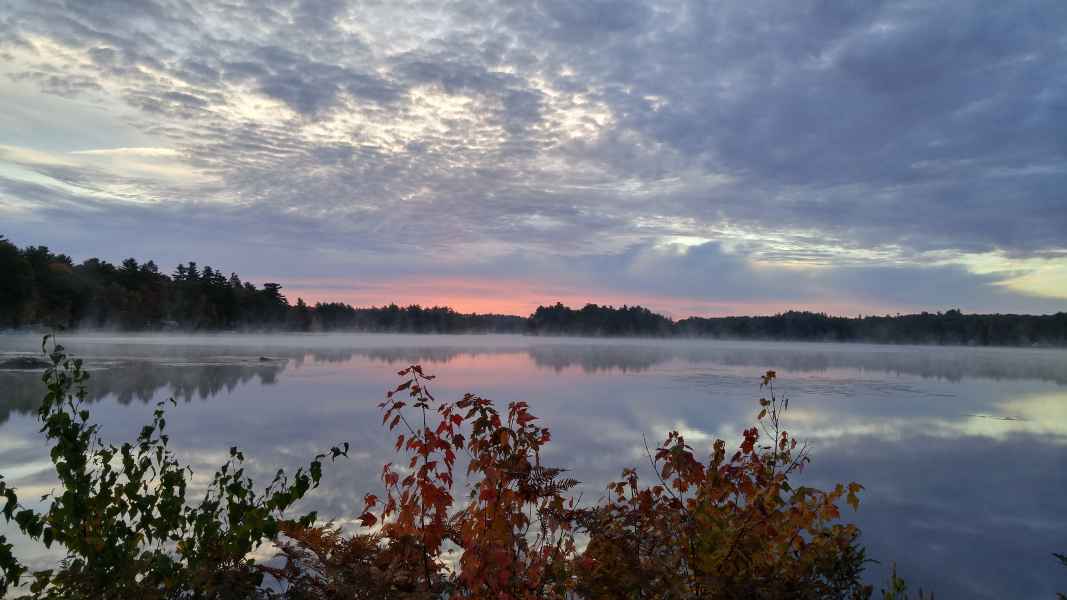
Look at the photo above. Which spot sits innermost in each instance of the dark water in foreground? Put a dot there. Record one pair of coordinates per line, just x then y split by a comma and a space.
963, 451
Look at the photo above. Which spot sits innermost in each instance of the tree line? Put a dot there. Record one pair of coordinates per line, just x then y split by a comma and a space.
48, 289
45, 289
949, 327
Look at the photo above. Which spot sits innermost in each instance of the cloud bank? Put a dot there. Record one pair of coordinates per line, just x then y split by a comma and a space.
702, 158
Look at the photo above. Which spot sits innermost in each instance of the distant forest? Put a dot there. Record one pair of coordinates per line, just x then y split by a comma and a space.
39, 288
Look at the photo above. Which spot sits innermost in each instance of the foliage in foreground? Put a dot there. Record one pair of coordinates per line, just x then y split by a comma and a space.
731, 526
122, 516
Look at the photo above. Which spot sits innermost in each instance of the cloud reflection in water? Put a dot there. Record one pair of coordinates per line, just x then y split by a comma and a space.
967, 505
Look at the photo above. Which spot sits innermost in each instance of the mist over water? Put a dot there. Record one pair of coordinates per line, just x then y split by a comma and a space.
988, 427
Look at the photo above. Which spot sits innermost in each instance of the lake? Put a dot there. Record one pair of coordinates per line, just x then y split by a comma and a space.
963, 451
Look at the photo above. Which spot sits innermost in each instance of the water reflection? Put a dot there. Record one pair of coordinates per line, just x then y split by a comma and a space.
142, 381
952, 364
627, 355
968, 517
970, 506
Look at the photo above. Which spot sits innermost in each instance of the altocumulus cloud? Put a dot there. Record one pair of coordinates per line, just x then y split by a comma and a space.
700, 157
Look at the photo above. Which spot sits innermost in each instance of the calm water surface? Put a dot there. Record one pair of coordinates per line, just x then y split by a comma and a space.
963, 451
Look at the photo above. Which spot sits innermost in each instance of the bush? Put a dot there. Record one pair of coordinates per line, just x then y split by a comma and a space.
725, 528
122, 516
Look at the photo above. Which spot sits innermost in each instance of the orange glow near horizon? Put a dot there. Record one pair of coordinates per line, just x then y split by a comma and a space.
522, 297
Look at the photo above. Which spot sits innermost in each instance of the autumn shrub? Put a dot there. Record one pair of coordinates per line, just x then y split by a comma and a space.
727, 527
513, 532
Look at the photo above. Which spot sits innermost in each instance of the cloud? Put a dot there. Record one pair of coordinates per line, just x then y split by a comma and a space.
130, 152
817, 154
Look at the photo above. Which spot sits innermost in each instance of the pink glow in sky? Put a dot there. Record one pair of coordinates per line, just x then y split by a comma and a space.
522, 297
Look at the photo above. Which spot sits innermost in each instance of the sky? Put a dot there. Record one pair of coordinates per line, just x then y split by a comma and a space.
699, 158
